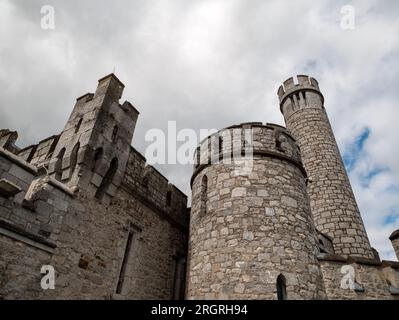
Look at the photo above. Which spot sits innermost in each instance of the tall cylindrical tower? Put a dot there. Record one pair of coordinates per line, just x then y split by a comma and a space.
251, 231
332, 201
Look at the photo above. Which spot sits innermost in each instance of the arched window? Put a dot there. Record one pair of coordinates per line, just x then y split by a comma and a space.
107, 180
73, 159
114, 133
97, 157
78, 125
168, 198
281, 288
58, 164
204, 194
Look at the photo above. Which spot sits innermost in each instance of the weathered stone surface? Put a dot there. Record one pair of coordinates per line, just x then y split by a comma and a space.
84, 237
113, 227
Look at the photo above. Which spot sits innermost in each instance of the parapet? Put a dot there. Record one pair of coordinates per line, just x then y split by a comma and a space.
148, 185
247, 139
304, 82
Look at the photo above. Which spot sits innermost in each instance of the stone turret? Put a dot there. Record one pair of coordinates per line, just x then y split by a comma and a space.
94, 146
332, 201
251, 232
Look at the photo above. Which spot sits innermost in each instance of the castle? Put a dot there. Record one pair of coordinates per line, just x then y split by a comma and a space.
86, 203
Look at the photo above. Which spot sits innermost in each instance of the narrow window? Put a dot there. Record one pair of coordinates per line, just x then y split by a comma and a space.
58, 164
130, 243
107, 180
179, 277
114, 133
73, 159
78, 125
281, 288
168, 198
204, 194
279, 143
97, 157
304, 98
220, 144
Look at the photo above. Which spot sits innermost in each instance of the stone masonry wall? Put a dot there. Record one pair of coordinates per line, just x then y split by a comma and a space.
92, 245
85, 241
128, 242
375, 281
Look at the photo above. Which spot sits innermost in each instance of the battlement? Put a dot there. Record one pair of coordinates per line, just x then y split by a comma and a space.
260, 139
152, 187
304, 83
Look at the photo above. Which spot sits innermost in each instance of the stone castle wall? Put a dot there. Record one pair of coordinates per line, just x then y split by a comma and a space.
129, 243
249, 229
371, 279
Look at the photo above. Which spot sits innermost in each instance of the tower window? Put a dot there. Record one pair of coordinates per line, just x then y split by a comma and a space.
58, 165
97, 157
178, 278
78, 125
130, 244
107, 180
204, 195
281, 288
114, 133
73, 159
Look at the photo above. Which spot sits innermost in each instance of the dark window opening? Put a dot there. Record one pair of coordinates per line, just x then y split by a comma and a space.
78, 125
281, 288
114, 133
73, 159
97, 157
179, 278
125, 261
58, 165
204, 194
107, 180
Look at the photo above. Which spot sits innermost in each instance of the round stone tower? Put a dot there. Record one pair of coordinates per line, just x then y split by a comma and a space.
251, 231
332, 201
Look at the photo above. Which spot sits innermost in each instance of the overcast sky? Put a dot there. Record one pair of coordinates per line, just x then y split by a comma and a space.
211, 64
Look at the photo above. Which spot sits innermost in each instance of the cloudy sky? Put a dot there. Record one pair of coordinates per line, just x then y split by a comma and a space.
213, 63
